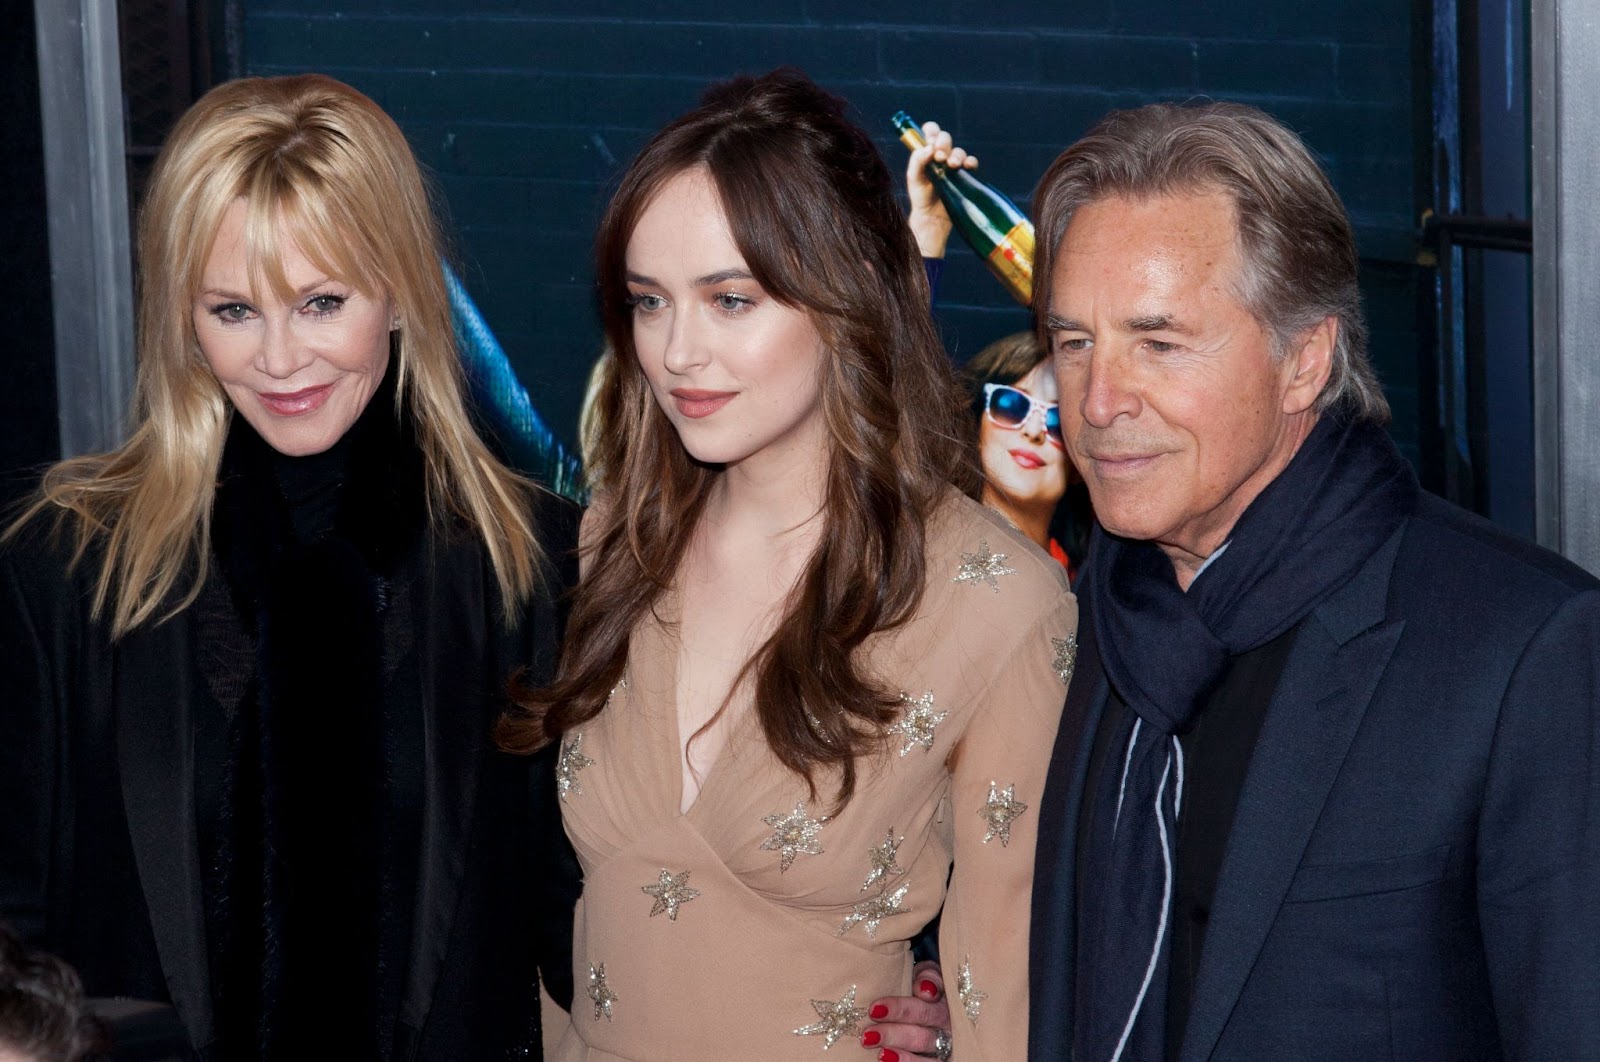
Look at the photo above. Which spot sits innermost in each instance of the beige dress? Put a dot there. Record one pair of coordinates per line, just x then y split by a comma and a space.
756, 925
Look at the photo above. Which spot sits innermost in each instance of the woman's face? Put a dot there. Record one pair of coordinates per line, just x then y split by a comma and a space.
737, 372
1024, 468
299, 370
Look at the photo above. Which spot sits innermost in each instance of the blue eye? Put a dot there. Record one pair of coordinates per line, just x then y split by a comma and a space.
322, 305
230, 312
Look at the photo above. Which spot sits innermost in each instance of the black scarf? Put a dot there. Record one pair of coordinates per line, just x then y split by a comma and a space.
319, 842
1164, 652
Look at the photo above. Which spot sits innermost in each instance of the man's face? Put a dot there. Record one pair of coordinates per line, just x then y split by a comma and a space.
1172, 405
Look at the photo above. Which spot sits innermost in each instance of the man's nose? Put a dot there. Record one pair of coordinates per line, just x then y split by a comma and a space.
1109, 391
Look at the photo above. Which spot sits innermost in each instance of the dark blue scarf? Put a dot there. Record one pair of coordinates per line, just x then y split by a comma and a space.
1164, 652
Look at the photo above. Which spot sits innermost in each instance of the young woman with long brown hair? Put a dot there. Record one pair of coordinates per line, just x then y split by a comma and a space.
804, 669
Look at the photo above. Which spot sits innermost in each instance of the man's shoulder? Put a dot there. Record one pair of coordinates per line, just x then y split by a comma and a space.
1449, 547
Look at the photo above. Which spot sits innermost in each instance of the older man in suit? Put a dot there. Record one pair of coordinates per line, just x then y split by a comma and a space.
1326, 785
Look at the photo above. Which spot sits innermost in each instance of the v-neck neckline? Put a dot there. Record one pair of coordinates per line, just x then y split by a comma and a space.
665, 622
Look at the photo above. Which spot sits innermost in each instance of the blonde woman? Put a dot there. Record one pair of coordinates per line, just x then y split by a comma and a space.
252, 656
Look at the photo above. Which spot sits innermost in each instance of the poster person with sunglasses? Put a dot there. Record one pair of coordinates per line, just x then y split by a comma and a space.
1026, 472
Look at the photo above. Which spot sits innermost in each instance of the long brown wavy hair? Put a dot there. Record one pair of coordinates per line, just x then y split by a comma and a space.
812, 210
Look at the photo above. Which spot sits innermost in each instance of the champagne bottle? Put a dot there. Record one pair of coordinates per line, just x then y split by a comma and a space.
993, 226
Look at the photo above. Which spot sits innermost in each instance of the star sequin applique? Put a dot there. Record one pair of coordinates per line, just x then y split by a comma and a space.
670, 893
971, 999
1000, 811
795, 834
883, 862
568, 764
836, 1020
983, 567
871, 911
917, 723
1066, 657
599, 992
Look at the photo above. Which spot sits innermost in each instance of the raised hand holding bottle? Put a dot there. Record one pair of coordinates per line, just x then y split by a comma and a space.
990, 222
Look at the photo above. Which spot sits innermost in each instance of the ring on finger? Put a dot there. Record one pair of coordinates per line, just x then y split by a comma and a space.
941, 1045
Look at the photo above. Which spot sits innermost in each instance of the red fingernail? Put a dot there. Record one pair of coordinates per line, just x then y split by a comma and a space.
887, 1055
930, 988
878, 1011
870, 1038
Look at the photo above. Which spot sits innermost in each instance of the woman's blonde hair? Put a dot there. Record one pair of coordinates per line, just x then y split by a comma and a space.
317, 162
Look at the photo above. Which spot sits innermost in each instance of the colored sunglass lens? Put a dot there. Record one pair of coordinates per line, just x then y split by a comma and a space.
1009, 406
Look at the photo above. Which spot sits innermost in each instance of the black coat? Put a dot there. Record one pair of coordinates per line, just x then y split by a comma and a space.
1413, 867
99, 856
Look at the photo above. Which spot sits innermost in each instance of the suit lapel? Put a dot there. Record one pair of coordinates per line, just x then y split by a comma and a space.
1339, 654
1052, 971
156, 757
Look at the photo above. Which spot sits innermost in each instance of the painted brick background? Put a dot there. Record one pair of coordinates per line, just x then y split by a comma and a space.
525, 111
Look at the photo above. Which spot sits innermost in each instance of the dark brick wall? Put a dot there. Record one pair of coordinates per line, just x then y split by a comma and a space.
524, 111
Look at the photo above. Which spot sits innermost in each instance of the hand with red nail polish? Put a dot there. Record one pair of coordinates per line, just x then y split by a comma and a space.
907, 1025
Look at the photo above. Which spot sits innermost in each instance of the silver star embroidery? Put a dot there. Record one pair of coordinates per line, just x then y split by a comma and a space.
971, 998
599, 992
670, 893
870, 912
983, 567
1000, 811
568, 764
835, 1020
794, 834
1066, 657
916, 725
883, 861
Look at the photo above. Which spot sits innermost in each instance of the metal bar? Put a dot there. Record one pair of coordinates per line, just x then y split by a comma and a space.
80, 90
1545, 189
1566, 213
1497, 234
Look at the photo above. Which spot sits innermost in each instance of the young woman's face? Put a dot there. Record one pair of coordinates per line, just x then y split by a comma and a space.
299, 370
737, 372
1024, 464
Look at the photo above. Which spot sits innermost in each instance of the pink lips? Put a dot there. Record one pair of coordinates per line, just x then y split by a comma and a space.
696, 404
1026, 458
295, 403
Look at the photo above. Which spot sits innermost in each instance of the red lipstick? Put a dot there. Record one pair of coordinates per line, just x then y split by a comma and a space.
295, 403
1026, 458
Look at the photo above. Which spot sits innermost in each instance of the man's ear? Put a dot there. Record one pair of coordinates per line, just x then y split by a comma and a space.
1309, 364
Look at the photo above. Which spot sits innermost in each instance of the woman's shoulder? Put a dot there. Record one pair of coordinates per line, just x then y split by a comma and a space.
969, 543
989, 588
43, 562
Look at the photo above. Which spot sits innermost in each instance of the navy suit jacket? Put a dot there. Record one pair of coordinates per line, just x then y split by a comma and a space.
1413, 870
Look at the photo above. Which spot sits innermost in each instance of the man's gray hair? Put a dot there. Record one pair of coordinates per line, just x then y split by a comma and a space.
1296, 245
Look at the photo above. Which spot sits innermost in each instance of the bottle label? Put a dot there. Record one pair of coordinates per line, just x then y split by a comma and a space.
1012, 261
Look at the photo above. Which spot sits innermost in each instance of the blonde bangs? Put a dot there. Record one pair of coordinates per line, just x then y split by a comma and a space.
320, 165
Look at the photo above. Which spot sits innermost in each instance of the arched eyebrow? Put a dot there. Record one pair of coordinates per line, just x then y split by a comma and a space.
721, 276
305, 289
